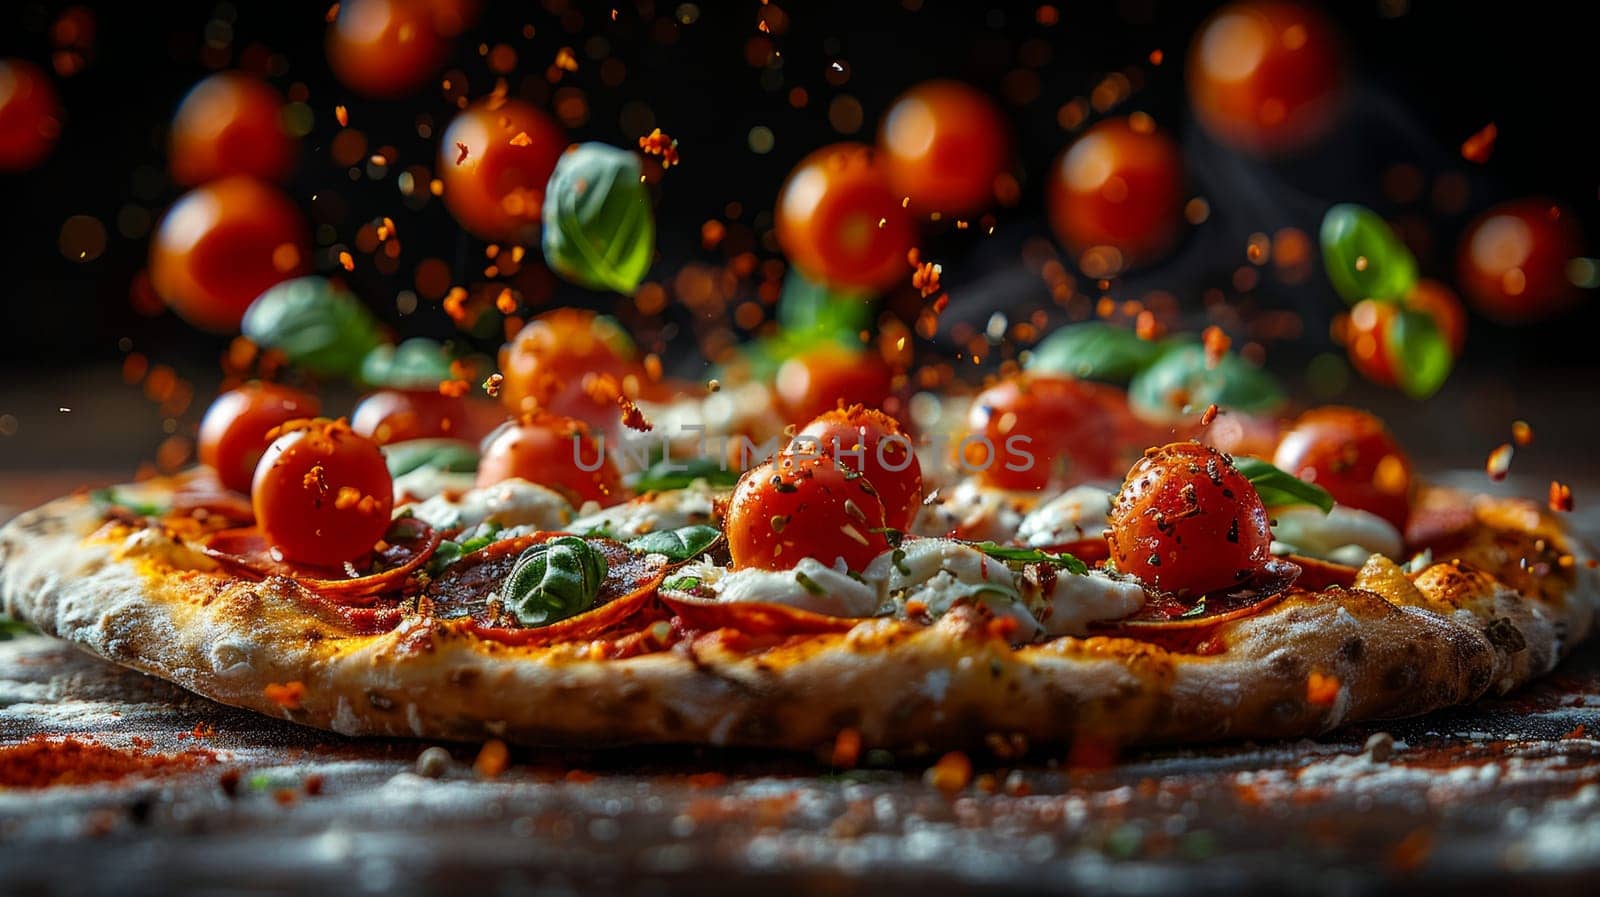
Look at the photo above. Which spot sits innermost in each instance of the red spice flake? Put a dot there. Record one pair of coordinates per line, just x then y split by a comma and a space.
632, 417
316, 479
1216, 344
461, 152
1480, 146
1521, 433
1321, 690
347, 261
313, 784
1578, 732
343, 115
506, 302
1002, 629
1090, 752
658, 144
952, 773
455, 305
1147, 328
491, 386
1560, 496
1156, 57
492, 759
846, 748
454, 389
289, 695
1499, 463
924, 275
285, 797
566, 60
1209, 416
44, 761
332, 14
1412, 851
521, 138
229, 782
201, 730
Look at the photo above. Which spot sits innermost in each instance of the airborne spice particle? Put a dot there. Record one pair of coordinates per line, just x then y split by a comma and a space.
1499, 463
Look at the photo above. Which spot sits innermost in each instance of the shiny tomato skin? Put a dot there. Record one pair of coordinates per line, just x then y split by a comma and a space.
386, 49
1267, 77
544, 364
396, 415
222, 244
230, 123
796, 506
30, 115
839, 221
853, 436
1512, 263
1366, 341
1187, 522
1351, 454
943, 144
547, 450
1118, 187
820, 380
496, 190
1073, 427
233, 433
322, 494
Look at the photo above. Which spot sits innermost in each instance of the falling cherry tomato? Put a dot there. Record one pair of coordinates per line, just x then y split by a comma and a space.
230, 123
495, 159
322, 494
824, 378
797, 506
552, 451
1351, 454
1513, 260
943, 145
1116, 195
544, 364
1369, 336
221, 245
1266, 77
30, 115
233, 434
840, 223
1036, 430
873, 444
389, 48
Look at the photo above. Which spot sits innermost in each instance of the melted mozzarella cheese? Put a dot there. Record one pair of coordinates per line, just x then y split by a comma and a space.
649, 513
1344, 535
938, 573
428, 482
970, 510
1076, 601
1082, 512
811, 586
510, 503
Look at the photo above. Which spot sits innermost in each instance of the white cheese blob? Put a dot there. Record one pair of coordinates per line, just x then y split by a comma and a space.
1076, 601
649, 513
811, 586
1344, 535
509, 503
970, 510
428, 482
1082, 512
939, 573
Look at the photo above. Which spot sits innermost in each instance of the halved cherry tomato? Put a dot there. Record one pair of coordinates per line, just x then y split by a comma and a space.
1513, 260
1351, 454
872, 443
30, 115
1035, 430
389, 48
1187, 522
944, 143
223, 243
230, 123
545, 363
396, 415
233, 434
839, 221
1266, 77
1116, 195
495, 186
822, 379
552, 451
322, 494
804, 506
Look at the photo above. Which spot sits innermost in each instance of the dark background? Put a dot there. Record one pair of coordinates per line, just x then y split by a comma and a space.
1424, 77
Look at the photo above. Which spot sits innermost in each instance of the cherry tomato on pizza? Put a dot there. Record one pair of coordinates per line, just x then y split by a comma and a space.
1116, 195
1037, 430
840, 222
821, 379
1512, 262
387, 49
233, 433
322, 494
30, 115
943, 144
1186, 522
1352, 455
230, 123
797, 506
553, 451
223, 243
873, 443
495, 159
396, 415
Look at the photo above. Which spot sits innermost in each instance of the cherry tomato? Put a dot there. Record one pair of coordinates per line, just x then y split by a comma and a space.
1266, 77
544, 364
1038, 430
390, 48
1513, 261
230, 123
943, 144
1242, 433
797, 506
840, 223
1116, 195
872, 443
552, 451
1187, 522
322, 494
396, 415
821, 379
233, 434
221, 245
30, 115
1369, 345
495, 188
1351, 454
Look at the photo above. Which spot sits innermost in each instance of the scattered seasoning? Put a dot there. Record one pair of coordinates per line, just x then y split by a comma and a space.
44, 761
491, 386
952, 773
289, 695
1412, 851
846, 748
658, 144
285, 796
1216, 345
1209, 415
313, 784
347, 261
461, 152
454, 389
1499, 463
1379, 746
521, 139
433, 762
1560, 496
492, 759
343, 115
1480, 146
1321, 690
924, 275
632, 417
1521, 432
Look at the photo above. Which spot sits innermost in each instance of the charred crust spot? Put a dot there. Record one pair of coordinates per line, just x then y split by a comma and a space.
1400, 677
1353, 649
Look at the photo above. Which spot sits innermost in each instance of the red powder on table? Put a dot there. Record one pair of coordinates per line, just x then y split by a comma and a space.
43, 761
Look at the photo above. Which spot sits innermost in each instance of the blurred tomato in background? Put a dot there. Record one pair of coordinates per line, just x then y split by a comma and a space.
230, 123
494, 159
839, 221
1513, 259
1116, 195
943, 144
30, 115
387, 49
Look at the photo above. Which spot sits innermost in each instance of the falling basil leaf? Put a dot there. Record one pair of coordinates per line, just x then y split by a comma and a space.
1363, 256
445, 455
109, 498
317, 325
1279, 488
1032, 556
669, 473
1179, 382
1421, 353
553, 580
1095, 352
599, 229
417, 363
677, 544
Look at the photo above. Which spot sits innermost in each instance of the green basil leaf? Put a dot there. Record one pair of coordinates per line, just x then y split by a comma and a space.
553, 580
1363, 256
682, 583
1279, 488
1095, 351
10, 629
809, 584
318, 326
1032, 556
671, 473
447, 455
1421, 353
1180, 380
417, 363
448, 552
599, 229
677, 544
109, 497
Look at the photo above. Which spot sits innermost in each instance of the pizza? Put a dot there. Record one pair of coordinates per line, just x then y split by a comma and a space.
1056, 570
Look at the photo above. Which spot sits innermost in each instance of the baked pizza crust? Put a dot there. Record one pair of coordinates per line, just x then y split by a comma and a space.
1391, 652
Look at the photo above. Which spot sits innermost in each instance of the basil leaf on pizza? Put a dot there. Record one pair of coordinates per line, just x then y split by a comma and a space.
668, 474
443, 455
553, 580
677, 544
1021, 555
1279, 488
319, 326
599, 228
